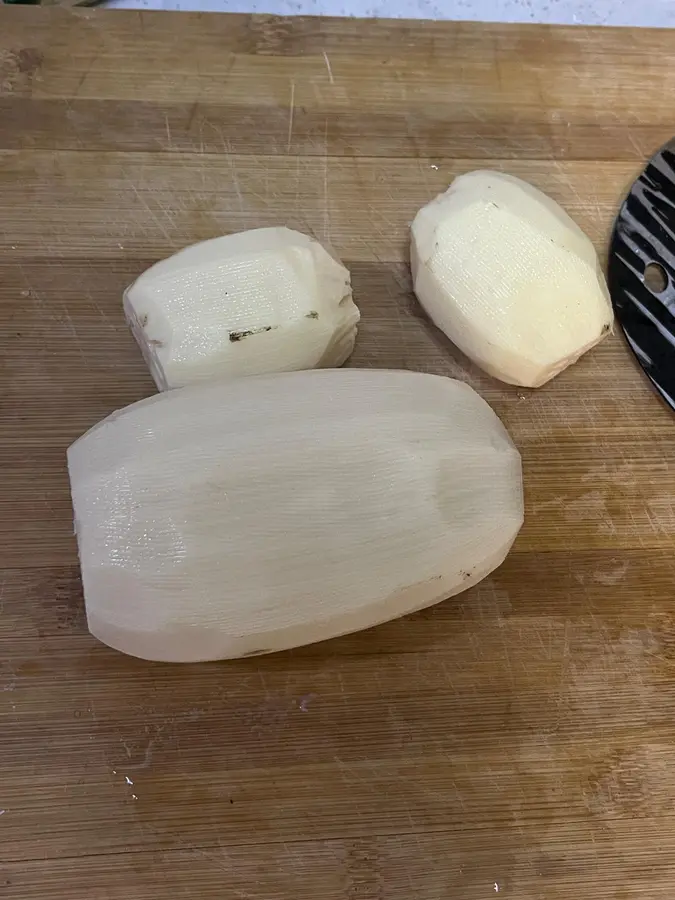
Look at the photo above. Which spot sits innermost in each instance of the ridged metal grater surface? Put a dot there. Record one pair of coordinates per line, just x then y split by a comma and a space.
642, 254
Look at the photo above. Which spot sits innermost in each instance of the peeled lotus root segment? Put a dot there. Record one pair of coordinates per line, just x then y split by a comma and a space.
509, 277
235, 518
256, 302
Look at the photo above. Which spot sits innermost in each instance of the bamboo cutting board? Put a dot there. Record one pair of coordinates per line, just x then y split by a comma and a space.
517, 740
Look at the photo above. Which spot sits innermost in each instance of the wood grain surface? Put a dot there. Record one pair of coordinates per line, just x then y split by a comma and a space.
516, 741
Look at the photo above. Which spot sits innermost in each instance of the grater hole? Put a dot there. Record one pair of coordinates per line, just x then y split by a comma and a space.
656, 278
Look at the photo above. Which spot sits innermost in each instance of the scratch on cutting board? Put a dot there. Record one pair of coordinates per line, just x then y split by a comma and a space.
290, 118
101, 313
377, 228
328, 66
391, 225
423, 173
297, 185
201, 147
147, 758
475, 114
402, 331
152, 214
589, 507
218, 865
661, 513
614, 576
88, 294
546, 650
402, 86
567, 180
76, 337
84, 75
168, 132
326, 212
622, 475
211, 857
555, 503
227, 148
634, 144
564, 668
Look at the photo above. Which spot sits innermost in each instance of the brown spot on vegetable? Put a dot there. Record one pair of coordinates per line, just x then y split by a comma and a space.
312, 314
240, 335
254, 653
155, 342
144, 321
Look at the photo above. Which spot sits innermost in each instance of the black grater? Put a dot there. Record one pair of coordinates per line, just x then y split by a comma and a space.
641, 270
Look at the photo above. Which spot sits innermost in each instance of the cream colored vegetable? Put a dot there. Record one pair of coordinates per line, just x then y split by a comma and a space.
509, 277
243, 517
267, 300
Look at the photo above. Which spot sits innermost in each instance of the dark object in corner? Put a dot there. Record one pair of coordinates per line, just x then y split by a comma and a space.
641, 270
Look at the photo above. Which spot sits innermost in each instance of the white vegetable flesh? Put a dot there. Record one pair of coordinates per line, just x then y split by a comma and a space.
249, 516
509, 277
260, 301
